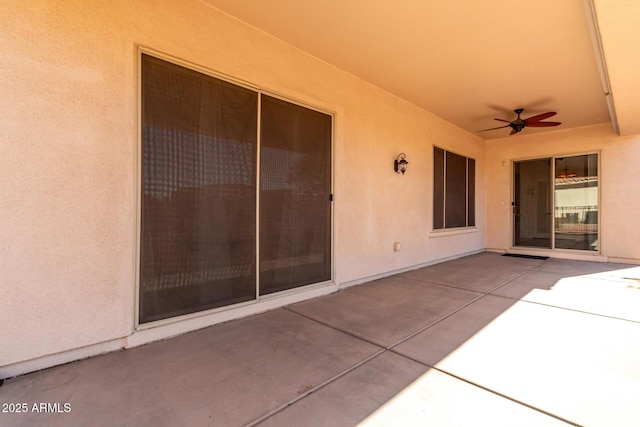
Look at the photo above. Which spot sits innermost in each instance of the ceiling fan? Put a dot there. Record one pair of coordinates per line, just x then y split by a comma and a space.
518, 124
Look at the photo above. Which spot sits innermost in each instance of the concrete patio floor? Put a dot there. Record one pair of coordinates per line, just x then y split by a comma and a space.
484, 340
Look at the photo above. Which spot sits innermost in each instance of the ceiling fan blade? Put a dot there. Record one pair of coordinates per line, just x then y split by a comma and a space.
543, 124
540, 117
499, 127
502, 120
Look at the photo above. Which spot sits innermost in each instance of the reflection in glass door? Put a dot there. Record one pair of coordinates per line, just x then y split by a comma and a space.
532, 203
576, 202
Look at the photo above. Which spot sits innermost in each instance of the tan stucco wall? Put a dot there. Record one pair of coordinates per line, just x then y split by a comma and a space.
619, 179
68, 120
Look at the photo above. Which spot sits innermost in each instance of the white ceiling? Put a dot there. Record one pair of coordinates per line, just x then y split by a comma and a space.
470, 61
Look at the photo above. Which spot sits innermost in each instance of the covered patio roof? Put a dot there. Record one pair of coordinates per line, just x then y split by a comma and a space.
470, 62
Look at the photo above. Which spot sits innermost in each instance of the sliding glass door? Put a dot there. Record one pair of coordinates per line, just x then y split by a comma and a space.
532, 203
576, 196
198, 236
212, 232
295, 191
556, 203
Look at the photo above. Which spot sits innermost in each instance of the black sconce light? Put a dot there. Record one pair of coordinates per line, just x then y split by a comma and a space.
400, 164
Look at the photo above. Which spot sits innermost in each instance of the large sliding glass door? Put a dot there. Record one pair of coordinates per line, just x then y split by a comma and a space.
212, 232
556, 203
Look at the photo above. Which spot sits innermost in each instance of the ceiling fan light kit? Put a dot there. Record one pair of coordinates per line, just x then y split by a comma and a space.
518, 124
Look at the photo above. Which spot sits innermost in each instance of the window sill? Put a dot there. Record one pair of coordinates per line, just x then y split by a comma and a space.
452, 231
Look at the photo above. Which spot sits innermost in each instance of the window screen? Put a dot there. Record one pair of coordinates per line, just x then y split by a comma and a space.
295, 185
453, 190
198, 237
199, 196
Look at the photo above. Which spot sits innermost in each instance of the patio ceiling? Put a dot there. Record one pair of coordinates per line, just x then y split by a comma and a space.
471, 62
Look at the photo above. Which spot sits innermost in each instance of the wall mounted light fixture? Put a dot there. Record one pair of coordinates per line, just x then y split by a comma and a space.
400, 163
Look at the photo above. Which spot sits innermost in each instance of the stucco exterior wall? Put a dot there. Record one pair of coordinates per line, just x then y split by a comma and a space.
68, 170
619, 178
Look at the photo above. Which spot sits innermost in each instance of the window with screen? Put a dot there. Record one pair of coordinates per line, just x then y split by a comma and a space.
453, 190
